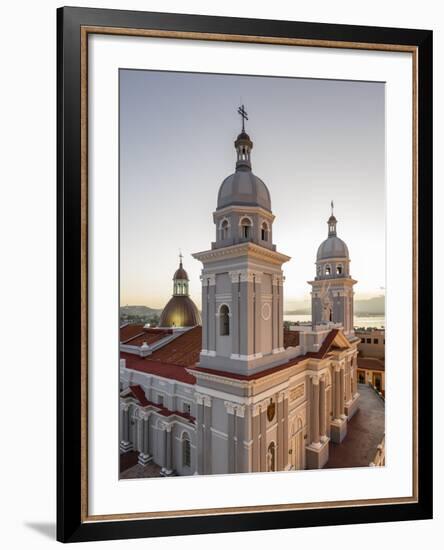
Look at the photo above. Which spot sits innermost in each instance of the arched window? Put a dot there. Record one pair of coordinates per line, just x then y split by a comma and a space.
327, 270
224, 229
224, 320
186, 450
246, 228
271, 455
264, 231
339, 269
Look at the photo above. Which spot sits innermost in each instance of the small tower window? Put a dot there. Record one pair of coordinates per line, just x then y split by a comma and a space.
327, 270
246, 228
225, 226
186, 450
264, 232
224, 319
339, 270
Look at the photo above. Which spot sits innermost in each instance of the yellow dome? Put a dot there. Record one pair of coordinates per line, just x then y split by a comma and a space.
180, 311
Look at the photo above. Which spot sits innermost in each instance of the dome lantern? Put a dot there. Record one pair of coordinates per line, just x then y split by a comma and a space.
180, 311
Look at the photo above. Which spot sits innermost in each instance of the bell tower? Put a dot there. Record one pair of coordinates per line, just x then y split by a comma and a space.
332, 294
242, 279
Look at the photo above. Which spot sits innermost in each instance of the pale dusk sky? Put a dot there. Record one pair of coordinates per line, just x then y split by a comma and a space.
314, 141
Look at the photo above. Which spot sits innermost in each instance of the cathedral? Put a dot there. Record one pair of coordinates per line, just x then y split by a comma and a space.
234, 391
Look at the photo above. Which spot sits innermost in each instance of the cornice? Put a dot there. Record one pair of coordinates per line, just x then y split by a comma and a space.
250, 249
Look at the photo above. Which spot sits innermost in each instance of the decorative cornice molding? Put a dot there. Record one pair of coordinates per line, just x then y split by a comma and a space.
234, 251
244, 210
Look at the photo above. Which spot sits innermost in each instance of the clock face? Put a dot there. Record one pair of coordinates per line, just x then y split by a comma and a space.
271, 410
266, 311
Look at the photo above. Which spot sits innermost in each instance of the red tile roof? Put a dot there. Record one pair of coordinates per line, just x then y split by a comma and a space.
139, 394
138, 335
371, 363
170, 360
183, 350
130, 331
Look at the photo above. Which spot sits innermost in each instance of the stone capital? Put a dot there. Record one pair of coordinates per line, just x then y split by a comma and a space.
256, 409
208, 279
230, 407
315, 378
199, 398
234, 276
250, 276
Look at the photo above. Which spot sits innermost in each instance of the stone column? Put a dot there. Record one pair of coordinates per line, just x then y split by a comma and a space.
235, 312
257, 294
164, 447
245, 307
125, 443
207, 439
205, 318
144, 455
146, 439
263, 442
337, 393
274, 313
280, 324
256, 467
280, 432
342, 389
348, 392
285, 432
169, 450
125, 424
212, 327
322, 415
200, 434
230, 442
315, 410
241, 434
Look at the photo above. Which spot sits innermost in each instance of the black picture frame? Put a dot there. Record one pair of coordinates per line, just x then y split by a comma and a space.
71, 525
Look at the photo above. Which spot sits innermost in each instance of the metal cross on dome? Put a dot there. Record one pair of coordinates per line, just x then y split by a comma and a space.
243, 113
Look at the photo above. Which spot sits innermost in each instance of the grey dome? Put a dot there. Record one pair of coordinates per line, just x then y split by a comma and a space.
333, 247
243, 188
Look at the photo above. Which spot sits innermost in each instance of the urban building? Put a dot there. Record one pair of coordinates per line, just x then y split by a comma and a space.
234, 391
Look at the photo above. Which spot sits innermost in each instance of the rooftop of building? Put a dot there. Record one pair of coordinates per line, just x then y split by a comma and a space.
371, 363
178, 358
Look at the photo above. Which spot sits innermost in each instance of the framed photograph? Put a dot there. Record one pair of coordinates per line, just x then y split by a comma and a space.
244, 274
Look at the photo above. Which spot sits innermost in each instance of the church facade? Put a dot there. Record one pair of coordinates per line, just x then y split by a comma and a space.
238, 392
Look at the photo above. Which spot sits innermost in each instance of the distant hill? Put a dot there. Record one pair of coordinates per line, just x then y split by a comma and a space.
139, 311
372, 306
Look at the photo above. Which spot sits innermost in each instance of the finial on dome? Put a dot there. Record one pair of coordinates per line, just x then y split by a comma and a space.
332, 207
243, 113
180, 257
243, 144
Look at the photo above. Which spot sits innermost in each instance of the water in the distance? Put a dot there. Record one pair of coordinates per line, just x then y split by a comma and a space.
373, 321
